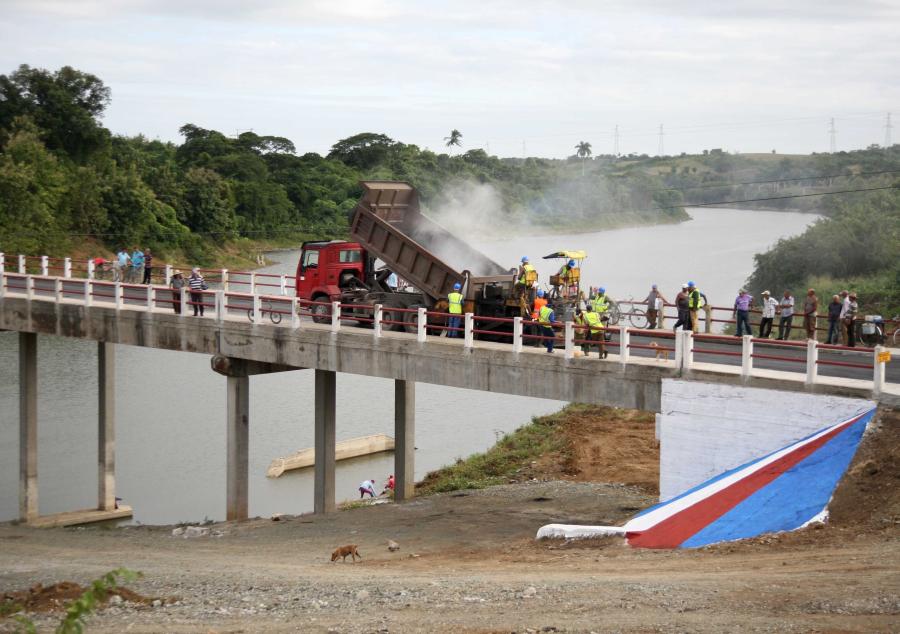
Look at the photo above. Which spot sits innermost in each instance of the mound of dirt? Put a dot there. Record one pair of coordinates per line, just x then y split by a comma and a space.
868, 497
40, 598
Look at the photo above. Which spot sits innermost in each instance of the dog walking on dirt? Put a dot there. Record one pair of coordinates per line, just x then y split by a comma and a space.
343, 551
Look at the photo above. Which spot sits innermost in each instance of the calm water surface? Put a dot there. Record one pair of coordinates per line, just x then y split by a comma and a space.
170, 461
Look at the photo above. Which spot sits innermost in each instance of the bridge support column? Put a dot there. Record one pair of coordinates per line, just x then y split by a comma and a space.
404, 440
28, 385
326, 384
106, 427
237, 448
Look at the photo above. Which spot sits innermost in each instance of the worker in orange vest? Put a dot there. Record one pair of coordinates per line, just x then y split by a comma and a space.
539, 302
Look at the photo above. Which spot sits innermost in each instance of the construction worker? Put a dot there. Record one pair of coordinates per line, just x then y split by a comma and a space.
455, 308
526, 276
600, 303
694, 303
568, 278
539, 302
592, 332
546, 318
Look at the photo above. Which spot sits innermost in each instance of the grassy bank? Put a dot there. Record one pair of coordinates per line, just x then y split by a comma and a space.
580, 442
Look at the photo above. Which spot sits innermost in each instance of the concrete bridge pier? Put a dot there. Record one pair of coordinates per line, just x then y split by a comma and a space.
28, 385
106, 424
324, 442
404, 439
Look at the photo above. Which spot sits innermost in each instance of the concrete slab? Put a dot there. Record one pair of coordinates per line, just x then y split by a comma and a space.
78, 518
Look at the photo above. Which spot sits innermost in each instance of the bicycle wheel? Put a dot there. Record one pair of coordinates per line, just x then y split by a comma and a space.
638, 318
614, 314
250, 314
275, 316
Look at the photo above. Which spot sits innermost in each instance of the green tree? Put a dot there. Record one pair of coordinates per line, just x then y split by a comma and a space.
583, 150
362, 151
455, 138
210, 204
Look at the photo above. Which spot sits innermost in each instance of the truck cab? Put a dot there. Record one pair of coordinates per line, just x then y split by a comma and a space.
328, 269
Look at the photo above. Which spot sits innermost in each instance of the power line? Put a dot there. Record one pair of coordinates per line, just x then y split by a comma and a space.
757, 200
777, 180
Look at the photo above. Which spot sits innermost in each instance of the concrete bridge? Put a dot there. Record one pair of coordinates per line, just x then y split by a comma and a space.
114, 313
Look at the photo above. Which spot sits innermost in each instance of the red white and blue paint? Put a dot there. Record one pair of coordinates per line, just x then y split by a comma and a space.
782, 491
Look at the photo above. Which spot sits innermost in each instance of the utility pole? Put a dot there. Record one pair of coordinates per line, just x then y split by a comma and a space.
887, 130
661, 151
832, 134
487, 147
524, 151
616, 141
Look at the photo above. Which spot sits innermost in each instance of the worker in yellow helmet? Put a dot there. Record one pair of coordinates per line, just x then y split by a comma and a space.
455, 308
592, 331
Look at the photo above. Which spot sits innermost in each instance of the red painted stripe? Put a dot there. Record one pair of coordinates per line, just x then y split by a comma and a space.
674, 530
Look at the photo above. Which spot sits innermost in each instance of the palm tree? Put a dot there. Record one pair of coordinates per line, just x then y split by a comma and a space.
583, 151
455, 138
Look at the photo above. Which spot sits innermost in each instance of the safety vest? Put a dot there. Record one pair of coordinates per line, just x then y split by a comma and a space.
544, 315
456, 302
694, 299
593, 320
529, 275
539, 302
601, 303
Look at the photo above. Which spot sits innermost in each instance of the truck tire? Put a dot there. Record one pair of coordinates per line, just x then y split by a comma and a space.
321, 314
411, 320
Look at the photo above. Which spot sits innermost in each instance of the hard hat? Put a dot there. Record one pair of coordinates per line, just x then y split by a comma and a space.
457, 286
691, 284
571, 262
540, 292
524, 258
653, 287
601, 289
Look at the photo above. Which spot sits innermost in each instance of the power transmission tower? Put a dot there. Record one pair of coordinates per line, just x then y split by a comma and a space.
487, 147
661, 151
832, 133
887, 130
524, 151
616, 141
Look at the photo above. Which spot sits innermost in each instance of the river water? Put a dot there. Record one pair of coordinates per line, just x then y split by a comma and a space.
170, 429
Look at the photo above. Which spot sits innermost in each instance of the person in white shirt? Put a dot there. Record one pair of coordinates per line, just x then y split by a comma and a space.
366, 486
787, 316
769, 306
845, 306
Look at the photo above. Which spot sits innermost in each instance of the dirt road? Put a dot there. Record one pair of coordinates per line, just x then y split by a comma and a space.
468, 563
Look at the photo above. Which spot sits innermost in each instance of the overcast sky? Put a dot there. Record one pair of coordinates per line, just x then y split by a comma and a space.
746, 76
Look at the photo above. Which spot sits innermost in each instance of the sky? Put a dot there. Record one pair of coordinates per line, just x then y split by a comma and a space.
515, 77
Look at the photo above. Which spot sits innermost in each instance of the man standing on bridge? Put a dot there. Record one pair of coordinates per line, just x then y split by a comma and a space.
694, 306
547, 318
810, 310
787, 316
655, 302
742, 305
681, 305
455, 308
769, 306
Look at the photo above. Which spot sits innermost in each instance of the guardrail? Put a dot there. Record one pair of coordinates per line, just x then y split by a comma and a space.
253, 283
683, 345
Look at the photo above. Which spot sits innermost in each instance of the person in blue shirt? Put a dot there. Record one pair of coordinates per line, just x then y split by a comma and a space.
120, 264
137, 266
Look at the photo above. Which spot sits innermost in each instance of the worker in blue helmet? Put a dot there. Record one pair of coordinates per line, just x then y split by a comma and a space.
455, 308
569, 275
600, 302
526, 279
694, 303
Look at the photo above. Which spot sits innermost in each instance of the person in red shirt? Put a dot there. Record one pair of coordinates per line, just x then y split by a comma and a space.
390, 483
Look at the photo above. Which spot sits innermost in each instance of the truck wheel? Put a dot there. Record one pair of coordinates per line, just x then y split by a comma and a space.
321, 313
411, 320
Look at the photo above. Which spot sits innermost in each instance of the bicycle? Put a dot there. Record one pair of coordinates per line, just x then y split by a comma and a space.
265, 306
637, 317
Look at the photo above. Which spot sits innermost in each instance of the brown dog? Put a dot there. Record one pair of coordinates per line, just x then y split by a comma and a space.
343, 551
660, 352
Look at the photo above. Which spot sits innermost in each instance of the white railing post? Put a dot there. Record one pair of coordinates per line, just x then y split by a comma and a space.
257, 307
253, 283
118, 291
57, 290
679, 348
29, 287
91, 268
295, 315
224, 276
878, 370
517, 334
2, 263
624, 343
67, 267
376, 317
569, 339
746, 356
220, 306
22, 264
88, 298
183, 300
2, 284
168, 274
469, 341
283, 285
421, 323
812, 361
335, 316
688, 352
45, 266
149, 298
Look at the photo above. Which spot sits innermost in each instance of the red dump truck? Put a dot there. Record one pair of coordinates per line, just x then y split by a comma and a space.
390, 235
